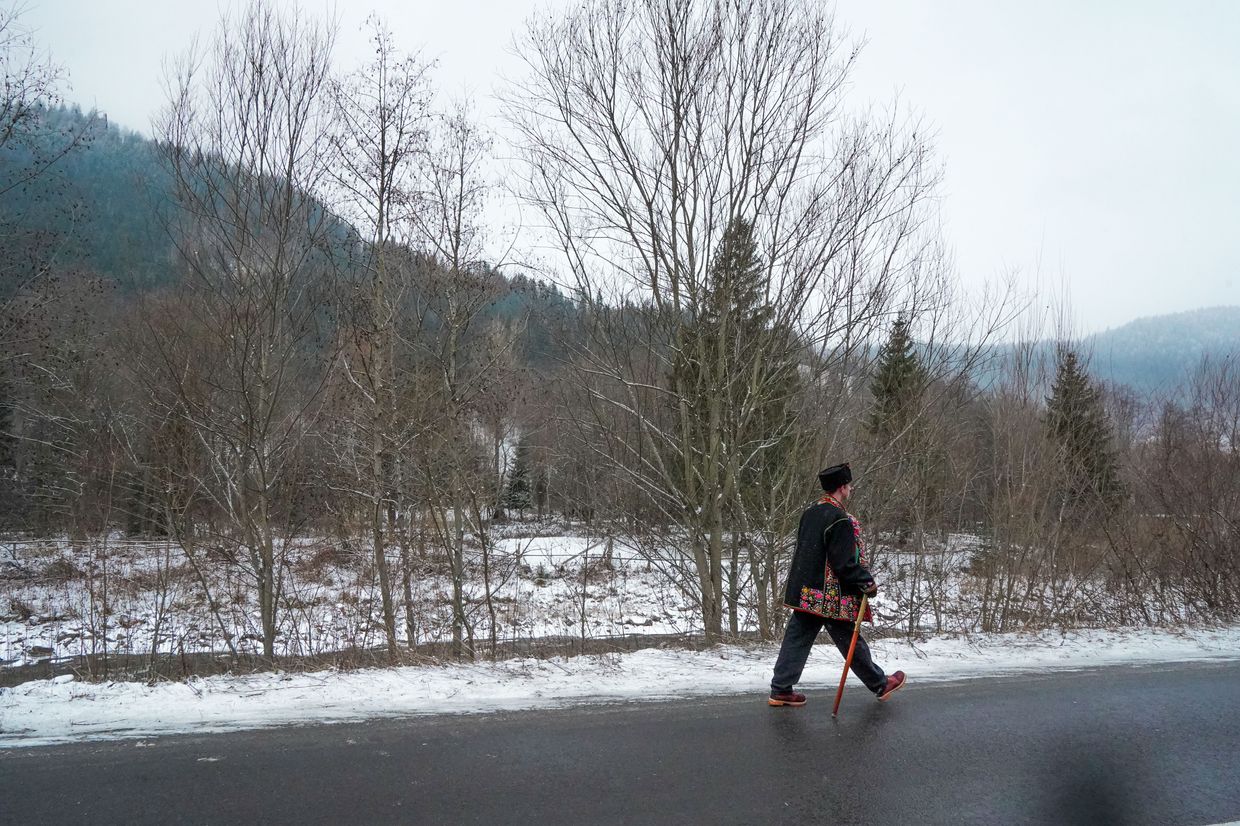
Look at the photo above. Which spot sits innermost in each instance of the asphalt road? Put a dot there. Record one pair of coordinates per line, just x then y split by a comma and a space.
1118, 745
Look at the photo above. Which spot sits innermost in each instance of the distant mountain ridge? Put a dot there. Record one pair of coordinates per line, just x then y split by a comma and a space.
103, 201
97, 212
1156, 353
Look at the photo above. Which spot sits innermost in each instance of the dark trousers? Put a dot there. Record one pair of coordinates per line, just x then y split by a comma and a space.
799, 638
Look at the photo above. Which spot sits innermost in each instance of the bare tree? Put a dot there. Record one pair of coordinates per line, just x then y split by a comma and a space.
244, 137
1179, 549
460, 288
647, 130
380, 143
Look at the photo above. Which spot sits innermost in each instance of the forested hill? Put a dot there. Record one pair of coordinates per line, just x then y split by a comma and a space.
1156, 353
94, 209
96, 212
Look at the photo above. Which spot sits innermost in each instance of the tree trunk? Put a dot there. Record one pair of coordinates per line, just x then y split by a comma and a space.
734, 585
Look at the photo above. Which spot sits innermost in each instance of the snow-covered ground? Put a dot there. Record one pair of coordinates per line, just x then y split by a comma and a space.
60, 599
53, 596
61, 710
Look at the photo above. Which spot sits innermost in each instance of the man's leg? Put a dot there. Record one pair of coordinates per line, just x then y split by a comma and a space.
862, 664
799, 638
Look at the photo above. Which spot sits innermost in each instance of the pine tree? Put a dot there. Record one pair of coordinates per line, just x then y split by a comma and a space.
734, 382
732, 313
898, 384
721, 357
1079, 424
518, 496
907, 476
736, 284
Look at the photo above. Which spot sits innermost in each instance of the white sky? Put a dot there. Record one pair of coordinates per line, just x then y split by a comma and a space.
1092, 145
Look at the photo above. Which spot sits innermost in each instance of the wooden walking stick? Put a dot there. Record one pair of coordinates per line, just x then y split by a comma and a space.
852, 647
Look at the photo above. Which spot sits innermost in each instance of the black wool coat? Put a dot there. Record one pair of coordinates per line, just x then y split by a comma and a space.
825, 542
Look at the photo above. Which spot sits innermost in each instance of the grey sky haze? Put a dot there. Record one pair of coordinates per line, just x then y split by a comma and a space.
1093, 145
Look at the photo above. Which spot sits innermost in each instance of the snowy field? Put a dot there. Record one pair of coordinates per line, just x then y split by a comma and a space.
52, 598
124, 599
62, 710
61, 600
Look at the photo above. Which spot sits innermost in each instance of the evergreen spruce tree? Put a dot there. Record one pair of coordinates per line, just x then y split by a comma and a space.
737, 284
1079, 424
898, 384
518, 495
907, 477
735, 320
731, 310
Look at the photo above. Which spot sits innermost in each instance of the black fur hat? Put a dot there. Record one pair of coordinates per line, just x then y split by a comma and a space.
835, 477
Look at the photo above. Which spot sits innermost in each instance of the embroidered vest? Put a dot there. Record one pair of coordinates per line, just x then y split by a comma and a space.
829, 602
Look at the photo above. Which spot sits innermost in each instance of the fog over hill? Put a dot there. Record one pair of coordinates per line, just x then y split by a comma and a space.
1156, 353
1153, 356
99, 208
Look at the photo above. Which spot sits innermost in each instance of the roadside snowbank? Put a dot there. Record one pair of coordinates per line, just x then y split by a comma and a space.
60, 710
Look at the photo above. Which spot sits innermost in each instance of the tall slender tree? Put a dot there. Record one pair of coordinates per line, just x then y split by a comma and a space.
1079, 424
245, 140
460, 288
897, 450
519, 496
379, 141
898, 385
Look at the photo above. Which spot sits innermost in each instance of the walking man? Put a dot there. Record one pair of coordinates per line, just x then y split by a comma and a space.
829, 574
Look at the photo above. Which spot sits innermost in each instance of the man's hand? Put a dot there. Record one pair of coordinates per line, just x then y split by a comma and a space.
870, 589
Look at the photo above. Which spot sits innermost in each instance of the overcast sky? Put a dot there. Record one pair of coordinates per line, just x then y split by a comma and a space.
1095, 144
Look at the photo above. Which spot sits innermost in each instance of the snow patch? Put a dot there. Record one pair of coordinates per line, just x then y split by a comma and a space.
44, 712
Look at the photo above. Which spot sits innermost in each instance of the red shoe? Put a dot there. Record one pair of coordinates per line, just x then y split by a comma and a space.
894, 683
786, 698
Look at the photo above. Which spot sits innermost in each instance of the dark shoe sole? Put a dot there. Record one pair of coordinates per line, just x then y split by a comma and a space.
887, 694
771, 701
